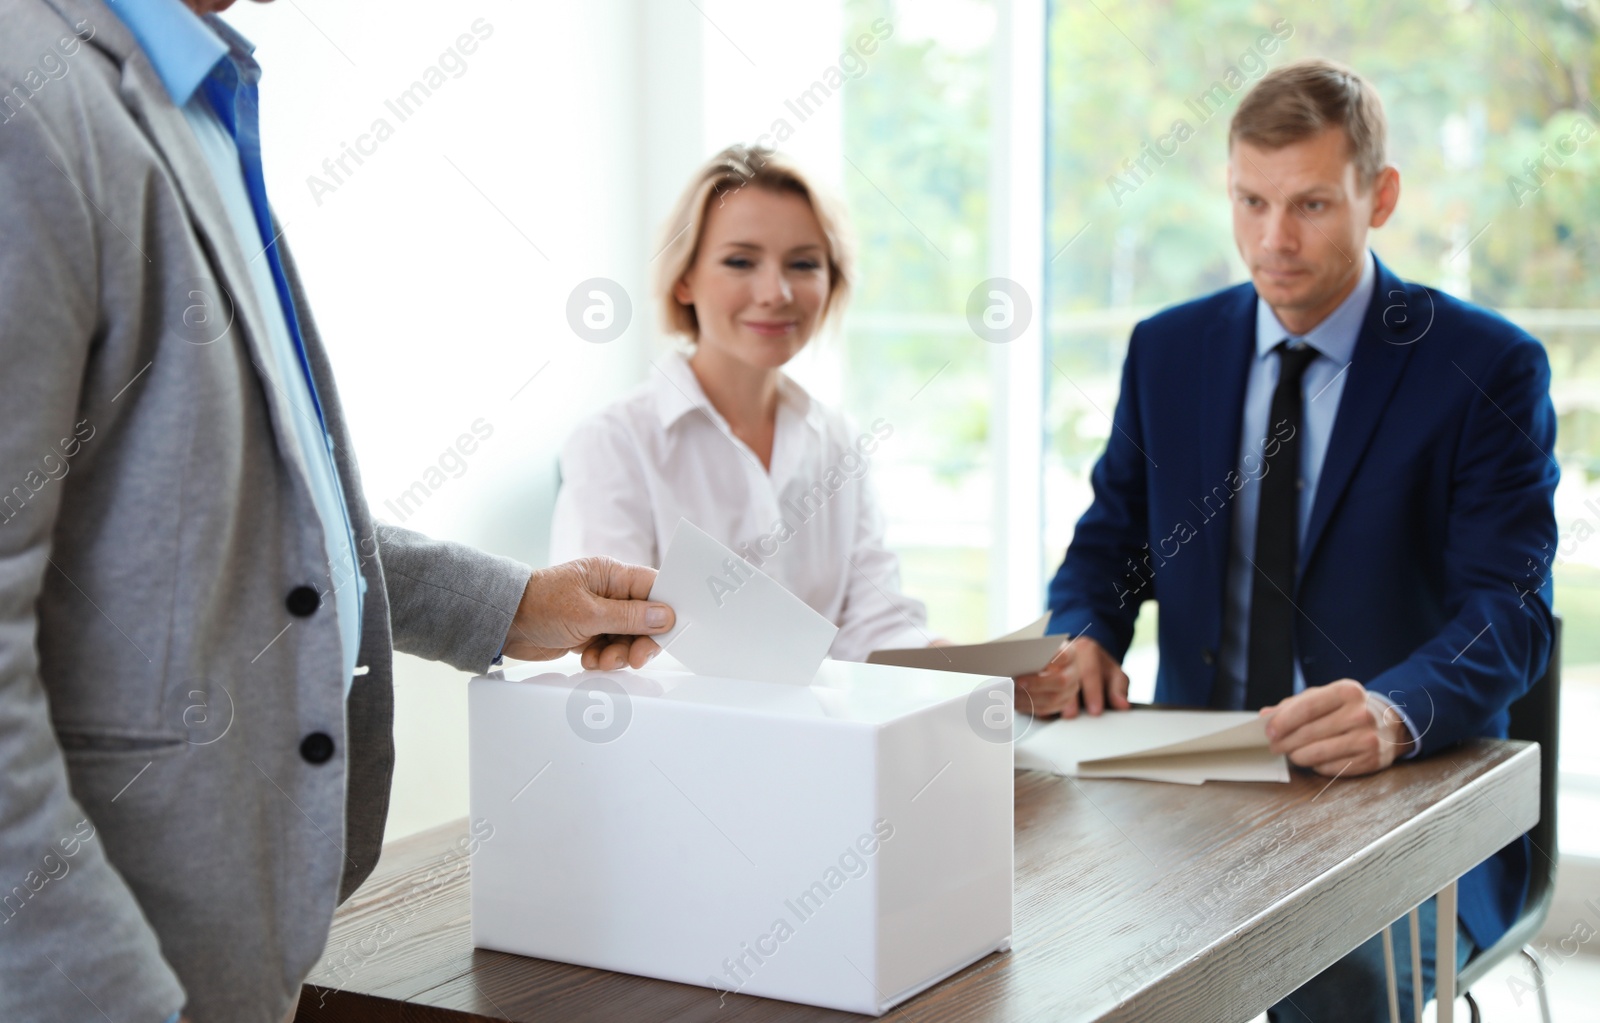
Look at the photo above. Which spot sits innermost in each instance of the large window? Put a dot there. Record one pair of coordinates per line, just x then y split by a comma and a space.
916, 142
1494, 127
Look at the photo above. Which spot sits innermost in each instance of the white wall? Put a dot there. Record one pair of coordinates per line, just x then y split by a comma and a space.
435, 306
441, 264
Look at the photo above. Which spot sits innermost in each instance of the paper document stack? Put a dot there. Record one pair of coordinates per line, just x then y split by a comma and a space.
1154, 744
1017, 653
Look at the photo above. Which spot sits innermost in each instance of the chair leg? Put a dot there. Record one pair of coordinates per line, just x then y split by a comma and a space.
1388, 973
1538, 982
1472, 1007
1416, 964
1445, 955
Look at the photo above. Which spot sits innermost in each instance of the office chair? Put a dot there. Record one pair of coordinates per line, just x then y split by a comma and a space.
1536, 717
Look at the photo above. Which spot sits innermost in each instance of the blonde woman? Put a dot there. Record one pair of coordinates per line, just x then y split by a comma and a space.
755, 262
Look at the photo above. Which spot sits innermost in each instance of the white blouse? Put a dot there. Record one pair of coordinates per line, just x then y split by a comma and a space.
632, 470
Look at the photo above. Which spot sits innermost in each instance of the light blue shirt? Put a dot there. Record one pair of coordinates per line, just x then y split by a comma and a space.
1322, 386
186, 50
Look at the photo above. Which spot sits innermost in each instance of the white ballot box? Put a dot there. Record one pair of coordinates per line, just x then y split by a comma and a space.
845, 844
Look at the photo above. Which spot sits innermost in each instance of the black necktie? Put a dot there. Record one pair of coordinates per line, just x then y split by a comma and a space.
1270, 675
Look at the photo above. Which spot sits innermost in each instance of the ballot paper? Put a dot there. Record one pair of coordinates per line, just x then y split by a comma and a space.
1017, 653
1153, 744
733, 620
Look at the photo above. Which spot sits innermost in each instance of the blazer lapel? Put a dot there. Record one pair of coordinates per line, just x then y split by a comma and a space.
1398, 315
169, 133
1229, 346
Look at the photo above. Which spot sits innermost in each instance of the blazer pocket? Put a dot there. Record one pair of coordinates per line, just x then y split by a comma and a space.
130, 785
100, 745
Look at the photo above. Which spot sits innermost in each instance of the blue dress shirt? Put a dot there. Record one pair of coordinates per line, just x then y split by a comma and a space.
208, 70
1323, 384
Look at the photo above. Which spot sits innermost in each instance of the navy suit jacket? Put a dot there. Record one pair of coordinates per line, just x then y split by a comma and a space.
1424, 571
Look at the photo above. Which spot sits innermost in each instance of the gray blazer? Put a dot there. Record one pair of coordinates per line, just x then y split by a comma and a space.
173, 833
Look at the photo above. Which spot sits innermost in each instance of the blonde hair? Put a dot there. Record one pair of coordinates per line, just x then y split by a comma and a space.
724, 174
1298, 100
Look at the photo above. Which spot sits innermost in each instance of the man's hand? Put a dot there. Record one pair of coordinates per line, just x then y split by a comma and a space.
1336, 729
597, 605
1081, 671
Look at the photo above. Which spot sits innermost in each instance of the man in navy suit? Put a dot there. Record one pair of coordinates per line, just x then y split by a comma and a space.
1339, 487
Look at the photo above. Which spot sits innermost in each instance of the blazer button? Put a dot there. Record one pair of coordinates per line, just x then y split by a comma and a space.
1208, 657
302, 601
316, 748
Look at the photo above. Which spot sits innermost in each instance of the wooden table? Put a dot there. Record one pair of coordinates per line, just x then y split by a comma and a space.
1134, 901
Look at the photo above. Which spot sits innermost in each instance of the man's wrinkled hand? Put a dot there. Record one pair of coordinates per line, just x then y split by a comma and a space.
596, 605
1080, 674
1338, 729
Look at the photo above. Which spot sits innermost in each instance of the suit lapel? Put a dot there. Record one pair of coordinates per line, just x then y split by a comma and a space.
1226, 369
169, 133
1398, 315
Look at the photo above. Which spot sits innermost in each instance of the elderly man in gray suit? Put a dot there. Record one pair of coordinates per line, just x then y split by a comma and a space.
183, 538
